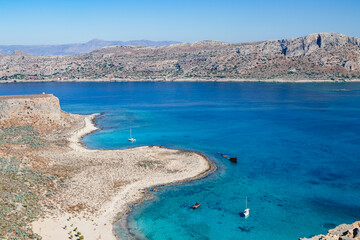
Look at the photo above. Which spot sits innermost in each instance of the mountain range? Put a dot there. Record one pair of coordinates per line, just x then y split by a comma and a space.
76, 48
315, 57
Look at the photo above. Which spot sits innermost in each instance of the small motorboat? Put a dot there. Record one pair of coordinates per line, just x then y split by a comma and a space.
196, 205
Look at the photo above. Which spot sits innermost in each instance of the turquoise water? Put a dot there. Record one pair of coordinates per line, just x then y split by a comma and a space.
297, 145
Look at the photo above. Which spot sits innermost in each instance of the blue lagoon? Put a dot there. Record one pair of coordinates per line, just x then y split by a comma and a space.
298, 150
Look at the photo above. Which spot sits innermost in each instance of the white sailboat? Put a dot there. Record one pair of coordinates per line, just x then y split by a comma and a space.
247, 210
130, 139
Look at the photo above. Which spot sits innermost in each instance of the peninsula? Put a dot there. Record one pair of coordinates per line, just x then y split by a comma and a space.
318, 57
53, 187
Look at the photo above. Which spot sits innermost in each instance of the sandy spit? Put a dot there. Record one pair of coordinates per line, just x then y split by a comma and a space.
177, 166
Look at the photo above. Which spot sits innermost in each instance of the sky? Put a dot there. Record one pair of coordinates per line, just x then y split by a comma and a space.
74, 21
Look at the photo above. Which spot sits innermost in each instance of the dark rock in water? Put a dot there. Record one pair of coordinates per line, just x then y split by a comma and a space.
329, 225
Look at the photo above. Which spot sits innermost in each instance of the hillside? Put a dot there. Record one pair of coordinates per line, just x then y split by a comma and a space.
76, 48
323, 56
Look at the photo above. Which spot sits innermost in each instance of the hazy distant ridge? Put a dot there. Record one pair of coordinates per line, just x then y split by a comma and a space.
77, 48
320, 56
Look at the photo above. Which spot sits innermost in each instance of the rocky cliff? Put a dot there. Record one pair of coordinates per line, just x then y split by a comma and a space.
323, 56
41, 111
341, 232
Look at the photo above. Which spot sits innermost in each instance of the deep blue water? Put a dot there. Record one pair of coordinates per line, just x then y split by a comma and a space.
298, 147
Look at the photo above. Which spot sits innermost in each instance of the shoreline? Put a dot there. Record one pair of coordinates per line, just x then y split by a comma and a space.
101, 223
276, 80
123, 216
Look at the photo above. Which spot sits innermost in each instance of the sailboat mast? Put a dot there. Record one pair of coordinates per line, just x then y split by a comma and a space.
130, 132
246, 202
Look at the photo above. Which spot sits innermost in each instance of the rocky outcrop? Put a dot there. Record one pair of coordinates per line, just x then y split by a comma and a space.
341, 232
313, 42
42, 111
323, 56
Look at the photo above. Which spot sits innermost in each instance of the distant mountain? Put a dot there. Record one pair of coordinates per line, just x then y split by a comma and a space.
320, 56
77, 48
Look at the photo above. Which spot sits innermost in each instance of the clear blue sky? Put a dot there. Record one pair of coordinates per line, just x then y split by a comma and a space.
69, 21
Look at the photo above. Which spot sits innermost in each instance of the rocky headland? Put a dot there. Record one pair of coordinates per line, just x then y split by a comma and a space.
316, 57
52, 187
341, 232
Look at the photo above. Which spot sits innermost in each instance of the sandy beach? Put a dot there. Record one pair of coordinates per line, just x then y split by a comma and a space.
108, 182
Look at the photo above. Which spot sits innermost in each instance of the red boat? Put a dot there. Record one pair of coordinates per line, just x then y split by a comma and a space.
195, 206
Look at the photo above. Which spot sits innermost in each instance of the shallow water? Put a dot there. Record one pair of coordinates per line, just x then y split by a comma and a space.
297, 145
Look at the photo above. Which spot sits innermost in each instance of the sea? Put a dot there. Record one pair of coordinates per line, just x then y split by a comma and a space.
298, 150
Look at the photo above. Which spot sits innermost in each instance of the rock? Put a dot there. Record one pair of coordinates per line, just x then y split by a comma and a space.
341, 232
42, 111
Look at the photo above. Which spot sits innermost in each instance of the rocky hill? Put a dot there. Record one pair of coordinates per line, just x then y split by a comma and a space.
323, 56
76, 48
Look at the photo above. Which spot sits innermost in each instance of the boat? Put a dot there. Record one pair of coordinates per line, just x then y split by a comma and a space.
246, 212
196, 205
131, 139
233, 159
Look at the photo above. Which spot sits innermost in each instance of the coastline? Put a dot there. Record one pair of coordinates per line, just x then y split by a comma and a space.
100, 225
185, 80
89, 128
123, 218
